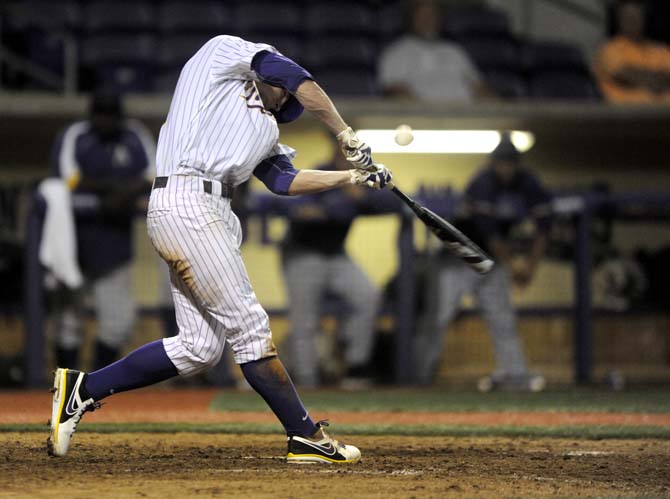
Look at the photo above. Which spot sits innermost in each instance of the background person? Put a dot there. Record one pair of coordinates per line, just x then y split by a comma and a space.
500, 196
423, 66
315, 263
630, 68
112, 160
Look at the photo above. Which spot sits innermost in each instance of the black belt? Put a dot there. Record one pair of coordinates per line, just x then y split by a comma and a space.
226, 190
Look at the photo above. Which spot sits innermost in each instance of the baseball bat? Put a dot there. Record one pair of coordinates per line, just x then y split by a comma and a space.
455, 241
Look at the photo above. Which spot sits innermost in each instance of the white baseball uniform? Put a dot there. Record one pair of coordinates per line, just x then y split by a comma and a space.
217, 130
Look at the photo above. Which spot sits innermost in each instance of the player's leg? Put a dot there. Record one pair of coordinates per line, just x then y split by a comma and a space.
220, 283
493, 296
115, 308
448, 281
305, 275
358, 325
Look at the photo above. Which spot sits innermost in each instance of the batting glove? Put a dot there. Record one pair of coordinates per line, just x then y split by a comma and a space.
355, 150
378, 179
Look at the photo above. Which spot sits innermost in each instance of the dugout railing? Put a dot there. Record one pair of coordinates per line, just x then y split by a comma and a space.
580, 209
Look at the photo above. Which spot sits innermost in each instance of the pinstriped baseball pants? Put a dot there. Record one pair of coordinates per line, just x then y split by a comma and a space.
199, 237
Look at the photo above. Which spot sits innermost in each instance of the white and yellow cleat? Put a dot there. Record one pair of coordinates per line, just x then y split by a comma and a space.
70, 402
321, 448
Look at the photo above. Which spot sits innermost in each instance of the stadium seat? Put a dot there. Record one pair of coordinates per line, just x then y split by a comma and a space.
118, 15
493, 52
563, 84
267, 17
178, 16
174, 50
166, 81
290, 45
474, 20
348, 82
341, 51
506, 83
117, 48
391, 21
553, 55
345, 17
43, 14
124, 78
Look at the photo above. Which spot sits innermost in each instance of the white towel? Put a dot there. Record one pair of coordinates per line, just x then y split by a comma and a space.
58, 248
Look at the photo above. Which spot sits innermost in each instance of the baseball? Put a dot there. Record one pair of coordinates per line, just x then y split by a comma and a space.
403, 135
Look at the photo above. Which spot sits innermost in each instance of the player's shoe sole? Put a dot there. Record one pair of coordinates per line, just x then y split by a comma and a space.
324, 450
68, 407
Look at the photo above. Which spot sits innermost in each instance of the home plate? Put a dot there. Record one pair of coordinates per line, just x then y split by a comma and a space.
579, 453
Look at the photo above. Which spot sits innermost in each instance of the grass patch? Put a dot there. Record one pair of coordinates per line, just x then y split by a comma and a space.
575, 432
435, 400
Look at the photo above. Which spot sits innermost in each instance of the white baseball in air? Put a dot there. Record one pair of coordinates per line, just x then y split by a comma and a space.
403, 135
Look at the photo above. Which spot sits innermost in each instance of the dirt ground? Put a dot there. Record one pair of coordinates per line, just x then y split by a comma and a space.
241, 466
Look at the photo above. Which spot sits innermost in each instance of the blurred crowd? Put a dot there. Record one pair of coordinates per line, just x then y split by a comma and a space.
426, 49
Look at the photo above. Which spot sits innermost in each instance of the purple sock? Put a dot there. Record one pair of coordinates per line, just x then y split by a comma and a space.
269, 378
145, 366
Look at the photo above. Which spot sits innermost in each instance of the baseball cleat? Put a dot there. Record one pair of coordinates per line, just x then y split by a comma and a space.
70, 402
321, 448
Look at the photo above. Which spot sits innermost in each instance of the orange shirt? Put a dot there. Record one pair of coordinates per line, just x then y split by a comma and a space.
622, 52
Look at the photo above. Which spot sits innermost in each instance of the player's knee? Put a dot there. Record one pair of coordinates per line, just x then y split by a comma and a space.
204, 357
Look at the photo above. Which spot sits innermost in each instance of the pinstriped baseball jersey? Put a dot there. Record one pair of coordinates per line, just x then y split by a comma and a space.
217, 126
217, 129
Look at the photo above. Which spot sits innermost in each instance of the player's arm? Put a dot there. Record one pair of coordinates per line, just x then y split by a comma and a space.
279, 175
280, 71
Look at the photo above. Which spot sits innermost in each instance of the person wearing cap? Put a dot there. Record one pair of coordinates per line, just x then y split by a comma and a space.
110, 162
501, 196
316, 266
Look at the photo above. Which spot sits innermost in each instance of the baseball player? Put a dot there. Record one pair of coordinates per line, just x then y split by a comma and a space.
221, 128
112, 160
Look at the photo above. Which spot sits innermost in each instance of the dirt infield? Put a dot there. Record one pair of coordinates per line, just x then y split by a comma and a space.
236, 466
213, 464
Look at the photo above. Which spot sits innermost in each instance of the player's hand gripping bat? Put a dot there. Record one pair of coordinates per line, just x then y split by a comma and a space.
455, 241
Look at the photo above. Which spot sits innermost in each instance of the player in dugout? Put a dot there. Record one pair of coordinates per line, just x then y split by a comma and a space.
111, 160
221, 128
500, 197
316, 267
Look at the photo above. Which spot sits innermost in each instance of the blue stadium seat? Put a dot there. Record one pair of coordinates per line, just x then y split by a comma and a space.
291, 46
166, 81
96, 50
119, 15
553, 55
563, 84
348, 82
493, 52
341, 51
345, 17
391, 21
174, 50
178, 16
506, 83
47, 50
43, 14
125, 78
474, 20
267, 17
